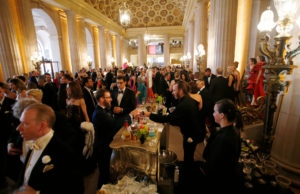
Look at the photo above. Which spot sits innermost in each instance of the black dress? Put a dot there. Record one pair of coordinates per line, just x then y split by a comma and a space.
231, 92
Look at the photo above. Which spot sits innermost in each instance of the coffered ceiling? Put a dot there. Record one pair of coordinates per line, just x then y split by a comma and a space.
144, 13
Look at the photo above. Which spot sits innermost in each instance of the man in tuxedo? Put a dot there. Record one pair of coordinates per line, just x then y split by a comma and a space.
208, 77
165, 86
123, 99
62, 92
218, 87
50, 166
106, 126
6, 118
49, 91
88, 95
186, 116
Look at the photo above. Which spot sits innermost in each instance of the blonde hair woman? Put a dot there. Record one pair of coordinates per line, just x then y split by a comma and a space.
35, 93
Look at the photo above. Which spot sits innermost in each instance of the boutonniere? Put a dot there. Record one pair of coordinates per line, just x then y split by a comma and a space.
45, 160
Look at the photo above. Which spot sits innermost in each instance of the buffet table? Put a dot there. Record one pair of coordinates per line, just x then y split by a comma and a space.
133, 155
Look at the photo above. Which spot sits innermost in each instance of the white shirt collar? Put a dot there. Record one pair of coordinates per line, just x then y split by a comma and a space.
202, 88
43, 141
88, 89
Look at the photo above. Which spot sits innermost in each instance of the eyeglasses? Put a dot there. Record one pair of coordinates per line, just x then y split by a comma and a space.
120, 82
107, 97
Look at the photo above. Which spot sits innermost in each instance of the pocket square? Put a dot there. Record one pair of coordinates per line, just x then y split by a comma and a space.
48, 167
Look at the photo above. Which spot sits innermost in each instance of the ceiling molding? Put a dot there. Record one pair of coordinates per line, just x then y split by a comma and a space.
83, 9
169, 30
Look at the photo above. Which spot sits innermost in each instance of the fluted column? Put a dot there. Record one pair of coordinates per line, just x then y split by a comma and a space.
96, 46
82, 42
221, 36
65, 51
108, 48
242, 33
74, 42
200, 35
191, 45
141, 50
186, 42
166, 50
118, 51
9, 50
25, 31
114, 48
102, 45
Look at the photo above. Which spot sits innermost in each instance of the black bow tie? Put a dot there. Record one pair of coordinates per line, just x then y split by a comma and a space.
120, 92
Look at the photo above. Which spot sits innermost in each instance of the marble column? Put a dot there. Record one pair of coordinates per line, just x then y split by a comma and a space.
200, 34
114, 49
10, 58
96, 46
141, 51
242, 33
166, 50
191, 44
64, 39
222, 31
285, 150
118, 51
74, 42
82, 42
25, 31
102, 45
108, 48
186, 42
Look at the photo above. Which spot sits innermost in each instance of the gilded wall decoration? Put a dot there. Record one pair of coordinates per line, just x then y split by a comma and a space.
144, 13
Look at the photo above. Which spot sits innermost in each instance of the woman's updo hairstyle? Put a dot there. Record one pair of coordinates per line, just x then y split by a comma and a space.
228, 108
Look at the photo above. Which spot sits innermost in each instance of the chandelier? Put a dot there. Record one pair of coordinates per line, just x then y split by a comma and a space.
279, 57
124, 13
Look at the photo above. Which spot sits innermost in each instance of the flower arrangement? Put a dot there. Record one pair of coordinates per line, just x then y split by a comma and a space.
158, 98
142, 132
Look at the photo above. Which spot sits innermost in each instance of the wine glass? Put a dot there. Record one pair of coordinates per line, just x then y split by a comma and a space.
164, 100
143, 101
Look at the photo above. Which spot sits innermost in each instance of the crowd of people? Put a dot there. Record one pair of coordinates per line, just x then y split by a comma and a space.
46, 137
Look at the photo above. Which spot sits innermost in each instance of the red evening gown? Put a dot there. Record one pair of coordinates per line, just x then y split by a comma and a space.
256, 89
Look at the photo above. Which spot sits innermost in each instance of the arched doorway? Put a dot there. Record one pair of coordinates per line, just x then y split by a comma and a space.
47, 39
90, 46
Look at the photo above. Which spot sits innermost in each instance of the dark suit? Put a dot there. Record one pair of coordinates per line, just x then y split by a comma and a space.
186, 116
165, 92
206, 80
128, 102
63, 178
62, 97
49, 95
108, 79
221, 154
90, 102
106, 126
218, 89
6, 120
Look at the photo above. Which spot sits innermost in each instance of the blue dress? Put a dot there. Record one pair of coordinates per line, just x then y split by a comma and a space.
143, 89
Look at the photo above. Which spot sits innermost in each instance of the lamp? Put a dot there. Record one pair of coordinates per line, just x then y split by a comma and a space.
199, 53
279, 57
35, 59
89, 61
186, 59
124, 13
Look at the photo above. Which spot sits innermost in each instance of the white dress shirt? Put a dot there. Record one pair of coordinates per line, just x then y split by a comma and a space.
41, 142
120, 96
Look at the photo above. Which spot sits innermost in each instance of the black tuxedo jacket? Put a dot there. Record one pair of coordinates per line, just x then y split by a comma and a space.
186, 116
106, 126
64, 177
218, 89
207, 105
206, 80
90, 102
164, 87
128, 102
49, 95
6, 120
